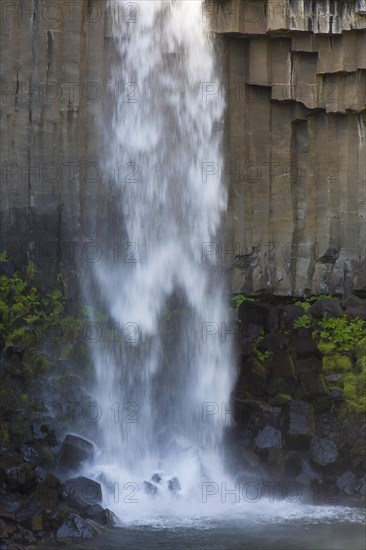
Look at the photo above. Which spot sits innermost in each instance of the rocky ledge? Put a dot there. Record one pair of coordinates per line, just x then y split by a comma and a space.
299, 399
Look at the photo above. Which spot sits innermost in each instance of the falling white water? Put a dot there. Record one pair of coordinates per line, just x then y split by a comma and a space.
156, 384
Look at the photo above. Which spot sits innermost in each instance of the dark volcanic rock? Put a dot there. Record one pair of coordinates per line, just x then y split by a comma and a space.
81, 492
270, 318
304, 344
74, 451
150, 488
76, 527
300, 423
174, 485
329, 307
323, 451
269, 438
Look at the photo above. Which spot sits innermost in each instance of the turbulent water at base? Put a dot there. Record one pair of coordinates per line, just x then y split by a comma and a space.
156, 385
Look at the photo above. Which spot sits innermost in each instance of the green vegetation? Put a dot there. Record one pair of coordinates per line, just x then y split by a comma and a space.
240, 298
26, 311
303, 322
343, 332
262, 356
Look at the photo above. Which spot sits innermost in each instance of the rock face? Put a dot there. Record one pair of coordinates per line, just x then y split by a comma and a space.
296, 148
295, 138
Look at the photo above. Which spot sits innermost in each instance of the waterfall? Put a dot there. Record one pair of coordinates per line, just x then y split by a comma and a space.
162, 385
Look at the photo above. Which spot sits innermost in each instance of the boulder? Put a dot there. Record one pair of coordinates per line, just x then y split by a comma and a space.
74, 451
29, 515
277, 461
346, 482
282, 377
274, 342
156, 478
330, 307
248, 334
269, 438
174, 485
304, 344
80, 492
308, 474
269, 317
308, 365
300, 423
352, 301
18, 477
45, 433
312, 386
252, 378
357, 311
76, 527
323, 451
292, 313
150, 488
96, 512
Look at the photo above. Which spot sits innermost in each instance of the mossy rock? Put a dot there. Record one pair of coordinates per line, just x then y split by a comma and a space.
361, 364
361, 348
4, 433
337, 363
326, 347
40, 364
279, 400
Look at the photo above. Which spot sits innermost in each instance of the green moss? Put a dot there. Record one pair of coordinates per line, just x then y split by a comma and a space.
4, 433
361, 348
361, 364
280, 399
240, 298
337, 363
40, 364
326, 347
303, 322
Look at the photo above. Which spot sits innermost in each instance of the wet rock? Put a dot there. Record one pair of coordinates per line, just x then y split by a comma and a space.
29, 515
308, 365
308, 474
269, 438
19, 477
300, 423
269, 317
282, 377
174, 485
337, 395
277, 461
334, 377
357, 311
150, 488
323, 451
252, 378
292, 313
49, 491
330, 307
80, 492
352, 301
74, 451
76, 527
9, 504
274, 342
248, 334
312, 386
346, 482
100, 515
304, 344
37, 455
44, 433
156, 478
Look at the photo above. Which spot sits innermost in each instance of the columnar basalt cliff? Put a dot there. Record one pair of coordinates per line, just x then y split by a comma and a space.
295, 136
296, 143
